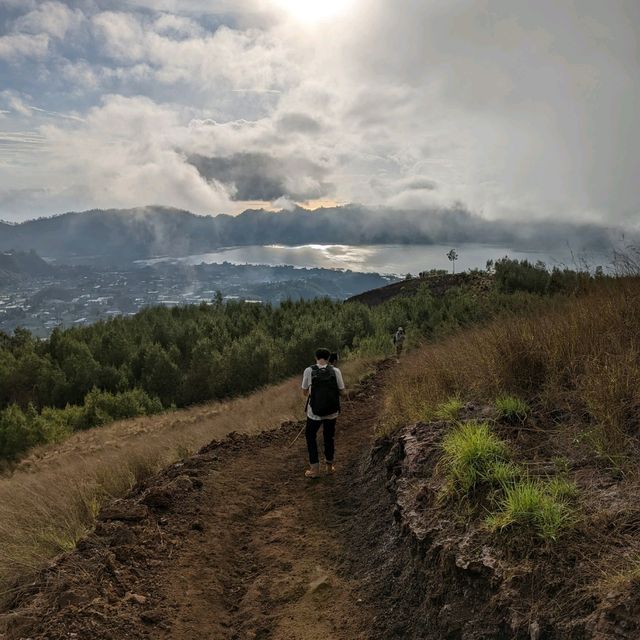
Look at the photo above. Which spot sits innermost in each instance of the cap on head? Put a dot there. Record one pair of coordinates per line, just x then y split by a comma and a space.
400, 329
323, 354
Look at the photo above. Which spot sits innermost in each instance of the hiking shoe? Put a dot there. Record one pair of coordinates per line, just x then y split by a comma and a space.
330, 467
313, 472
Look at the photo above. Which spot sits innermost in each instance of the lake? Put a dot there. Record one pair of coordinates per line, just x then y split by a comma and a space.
386, 259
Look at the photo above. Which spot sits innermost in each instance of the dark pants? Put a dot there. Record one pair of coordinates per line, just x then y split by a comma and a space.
328, 432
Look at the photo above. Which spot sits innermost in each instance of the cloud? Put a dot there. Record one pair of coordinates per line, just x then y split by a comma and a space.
15, 102
55, 114
284, 203
298, 123
178, 51
123, 152
21, 45
523, 109
259, 176
19, 106
519, 110
177, 26
52, 18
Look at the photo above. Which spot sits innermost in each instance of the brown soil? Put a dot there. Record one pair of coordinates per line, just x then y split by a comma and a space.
442, 574
233, 543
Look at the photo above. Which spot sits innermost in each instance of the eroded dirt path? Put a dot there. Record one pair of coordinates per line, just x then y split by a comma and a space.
232, 544
271, 560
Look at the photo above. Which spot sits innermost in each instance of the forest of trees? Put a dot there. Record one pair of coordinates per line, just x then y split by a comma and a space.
161, 358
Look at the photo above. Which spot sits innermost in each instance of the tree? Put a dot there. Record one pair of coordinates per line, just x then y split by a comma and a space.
79, 367
206, 376
159, 375
453, 256
355, 321
16, 435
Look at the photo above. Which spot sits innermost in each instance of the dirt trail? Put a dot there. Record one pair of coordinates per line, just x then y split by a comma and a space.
232, 544
270, 564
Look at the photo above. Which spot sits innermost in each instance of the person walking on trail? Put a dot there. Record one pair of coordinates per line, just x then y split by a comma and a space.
322, 386
398, 341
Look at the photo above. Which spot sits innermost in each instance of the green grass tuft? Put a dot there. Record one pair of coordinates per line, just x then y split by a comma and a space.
562, 489
533, 505
449, 410
503, 473
512, 408
474, 456
471, 455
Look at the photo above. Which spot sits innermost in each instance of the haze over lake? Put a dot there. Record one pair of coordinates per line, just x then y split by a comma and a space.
386, 259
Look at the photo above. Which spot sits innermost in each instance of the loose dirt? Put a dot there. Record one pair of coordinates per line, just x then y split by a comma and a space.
231, 544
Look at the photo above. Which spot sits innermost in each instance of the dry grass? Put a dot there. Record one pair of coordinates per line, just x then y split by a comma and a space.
580, 357
52, 498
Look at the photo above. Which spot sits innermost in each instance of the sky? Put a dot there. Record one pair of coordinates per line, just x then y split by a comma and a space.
511, 109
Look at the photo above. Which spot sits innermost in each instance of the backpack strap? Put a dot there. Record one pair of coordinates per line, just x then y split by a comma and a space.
314, 368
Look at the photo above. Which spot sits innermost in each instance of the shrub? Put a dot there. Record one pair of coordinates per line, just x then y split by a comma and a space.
514, 275
101, 407
16, 432
535, 506
471, 452
511, 408
54, 425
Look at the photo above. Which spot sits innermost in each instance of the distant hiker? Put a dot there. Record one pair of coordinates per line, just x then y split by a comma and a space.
322, 386
398, 341
333, 359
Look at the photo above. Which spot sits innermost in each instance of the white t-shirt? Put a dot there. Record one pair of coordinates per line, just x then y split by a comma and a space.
306, 384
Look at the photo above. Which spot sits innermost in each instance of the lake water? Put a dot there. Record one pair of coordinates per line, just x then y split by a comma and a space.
386, 259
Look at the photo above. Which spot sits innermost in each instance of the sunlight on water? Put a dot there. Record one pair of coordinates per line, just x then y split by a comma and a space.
340, 256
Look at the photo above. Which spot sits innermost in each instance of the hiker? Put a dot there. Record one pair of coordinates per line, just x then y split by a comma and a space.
322, 386
398, 341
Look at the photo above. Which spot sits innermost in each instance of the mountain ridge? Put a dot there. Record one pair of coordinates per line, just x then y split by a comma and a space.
116, 235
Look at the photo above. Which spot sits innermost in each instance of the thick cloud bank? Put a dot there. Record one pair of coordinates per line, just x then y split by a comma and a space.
511, 109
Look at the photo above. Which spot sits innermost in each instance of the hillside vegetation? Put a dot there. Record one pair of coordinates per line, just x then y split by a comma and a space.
500, 375
578, 361
530, 425
163, 358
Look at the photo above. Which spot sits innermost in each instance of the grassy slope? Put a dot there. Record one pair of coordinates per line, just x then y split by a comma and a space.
575, 370
578, 360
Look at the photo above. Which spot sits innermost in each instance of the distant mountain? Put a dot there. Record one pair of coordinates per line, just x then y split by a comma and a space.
123, 235
18, 265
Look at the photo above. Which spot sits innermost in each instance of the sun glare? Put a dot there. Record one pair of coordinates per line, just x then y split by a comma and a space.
313, 10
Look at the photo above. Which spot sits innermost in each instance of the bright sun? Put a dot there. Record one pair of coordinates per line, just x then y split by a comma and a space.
313, 10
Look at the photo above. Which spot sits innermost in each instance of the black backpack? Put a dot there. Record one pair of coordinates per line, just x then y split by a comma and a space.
325, 395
